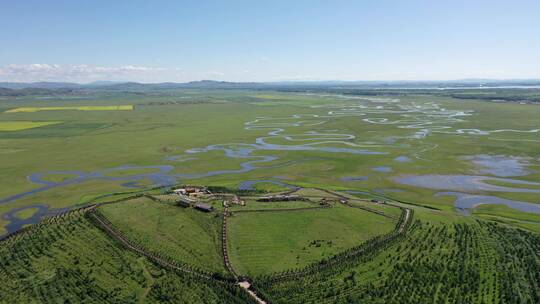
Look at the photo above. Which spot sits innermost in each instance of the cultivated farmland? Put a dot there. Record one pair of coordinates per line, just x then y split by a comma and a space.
78, 108
24, 125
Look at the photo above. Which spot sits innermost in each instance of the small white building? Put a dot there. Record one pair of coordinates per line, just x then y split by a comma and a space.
180, 191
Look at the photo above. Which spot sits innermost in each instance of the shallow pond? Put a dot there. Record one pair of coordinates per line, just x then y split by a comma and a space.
382, 169
16, 223
402, 159
500, 165
466, 183
422, 119
465, 202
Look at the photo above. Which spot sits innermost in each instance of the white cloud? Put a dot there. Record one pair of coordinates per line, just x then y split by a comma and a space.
83, 73
87, 73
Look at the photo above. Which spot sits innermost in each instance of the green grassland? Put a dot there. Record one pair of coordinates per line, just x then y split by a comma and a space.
183, 234
96, 140
168, 124
507, 212
384, 208
268, 187
267, 242
503, 214
26, 213
314, 193
254, 205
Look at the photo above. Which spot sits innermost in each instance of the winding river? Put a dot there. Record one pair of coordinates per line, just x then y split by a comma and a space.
422, 118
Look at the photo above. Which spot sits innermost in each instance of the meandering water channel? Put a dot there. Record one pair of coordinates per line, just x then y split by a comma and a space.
422, 118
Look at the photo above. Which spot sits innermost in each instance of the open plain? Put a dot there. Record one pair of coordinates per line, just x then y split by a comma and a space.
382, 186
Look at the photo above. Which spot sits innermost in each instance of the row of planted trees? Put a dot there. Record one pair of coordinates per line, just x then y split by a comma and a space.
69, 260
65, 260
165, 261
475, 262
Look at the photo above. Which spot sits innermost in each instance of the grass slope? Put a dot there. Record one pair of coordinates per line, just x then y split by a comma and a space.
266, 242
186, 235
254, 205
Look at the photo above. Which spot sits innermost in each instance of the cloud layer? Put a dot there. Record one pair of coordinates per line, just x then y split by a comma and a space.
88, 73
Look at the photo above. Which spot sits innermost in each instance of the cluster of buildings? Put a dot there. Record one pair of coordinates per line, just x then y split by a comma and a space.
192, 191
191, 196
187, 197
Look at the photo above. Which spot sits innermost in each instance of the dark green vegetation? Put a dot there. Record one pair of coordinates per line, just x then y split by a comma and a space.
472, 262
144, 249
72, 261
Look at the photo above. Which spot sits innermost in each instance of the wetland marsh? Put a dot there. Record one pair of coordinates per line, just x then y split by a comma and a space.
348, 142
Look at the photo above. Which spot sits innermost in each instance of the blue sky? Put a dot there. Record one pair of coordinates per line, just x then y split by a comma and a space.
154, 41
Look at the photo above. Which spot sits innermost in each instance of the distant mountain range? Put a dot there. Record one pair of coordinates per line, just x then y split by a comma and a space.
114, 85
12, 87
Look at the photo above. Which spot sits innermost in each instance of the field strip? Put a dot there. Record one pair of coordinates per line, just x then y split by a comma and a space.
24, 125
79, 108
282, 209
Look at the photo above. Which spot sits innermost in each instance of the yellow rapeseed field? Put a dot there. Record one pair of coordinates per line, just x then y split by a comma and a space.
80, 108
23, 125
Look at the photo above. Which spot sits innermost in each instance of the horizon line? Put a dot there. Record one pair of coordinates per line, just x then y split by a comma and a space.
281, 81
